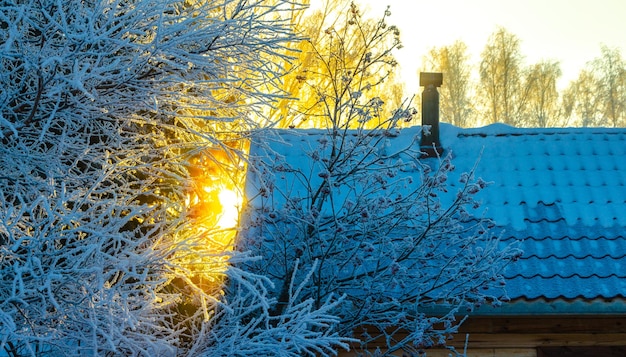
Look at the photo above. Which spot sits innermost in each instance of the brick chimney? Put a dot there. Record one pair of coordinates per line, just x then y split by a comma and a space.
430, 144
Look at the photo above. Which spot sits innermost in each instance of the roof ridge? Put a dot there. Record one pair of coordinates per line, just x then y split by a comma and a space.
499, 130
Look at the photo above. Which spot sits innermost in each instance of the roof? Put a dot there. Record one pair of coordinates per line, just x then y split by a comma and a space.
560, 192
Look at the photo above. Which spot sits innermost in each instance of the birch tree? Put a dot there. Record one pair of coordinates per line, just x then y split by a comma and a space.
582, 98
453, 62
340, 44
543, 97
597, 96
610, 69
501, 85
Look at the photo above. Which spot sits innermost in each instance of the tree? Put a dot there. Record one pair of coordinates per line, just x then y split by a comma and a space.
361, 216
543, 97
501, 88
104, 108
610, 69
598, 95
246, 324
455, 101
582, 99
340, 45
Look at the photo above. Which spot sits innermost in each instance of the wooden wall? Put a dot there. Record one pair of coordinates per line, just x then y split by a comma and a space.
544, 336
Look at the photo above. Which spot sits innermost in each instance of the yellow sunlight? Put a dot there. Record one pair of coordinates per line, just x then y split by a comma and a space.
230, 201
213, 203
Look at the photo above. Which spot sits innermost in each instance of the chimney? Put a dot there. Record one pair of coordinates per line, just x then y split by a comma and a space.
430, 144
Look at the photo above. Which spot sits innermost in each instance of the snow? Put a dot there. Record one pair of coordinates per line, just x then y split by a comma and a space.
78, 271
561, 192
576, 169
98, 254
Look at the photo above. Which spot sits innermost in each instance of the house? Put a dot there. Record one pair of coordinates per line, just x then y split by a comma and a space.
561, 193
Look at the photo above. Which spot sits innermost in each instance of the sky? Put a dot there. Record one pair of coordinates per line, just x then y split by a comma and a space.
569, 31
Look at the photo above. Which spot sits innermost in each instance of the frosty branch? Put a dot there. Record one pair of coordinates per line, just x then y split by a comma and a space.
372, 218
104, 105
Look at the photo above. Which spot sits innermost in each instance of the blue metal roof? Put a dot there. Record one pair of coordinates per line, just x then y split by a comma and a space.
562, 193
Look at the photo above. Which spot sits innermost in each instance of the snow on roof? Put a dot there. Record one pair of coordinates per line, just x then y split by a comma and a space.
561, 192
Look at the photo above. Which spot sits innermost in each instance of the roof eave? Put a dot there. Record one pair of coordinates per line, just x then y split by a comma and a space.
561, 307
543, 307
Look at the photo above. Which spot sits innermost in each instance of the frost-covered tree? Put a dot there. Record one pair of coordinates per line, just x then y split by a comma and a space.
378, 227
597, 96
456, 102
341, 44
543, 97
582, 99
501, 79
610, 71
104, 108
358, 214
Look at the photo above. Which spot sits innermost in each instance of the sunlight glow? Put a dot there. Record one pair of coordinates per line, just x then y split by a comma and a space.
213, 202
230, 201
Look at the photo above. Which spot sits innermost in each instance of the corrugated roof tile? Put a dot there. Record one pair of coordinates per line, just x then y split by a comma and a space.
566, 288
561, 192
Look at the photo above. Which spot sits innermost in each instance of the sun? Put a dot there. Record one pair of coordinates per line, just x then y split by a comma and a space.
230, 201
213, 199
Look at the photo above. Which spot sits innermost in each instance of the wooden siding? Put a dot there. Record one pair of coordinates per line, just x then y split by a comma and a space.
525, 336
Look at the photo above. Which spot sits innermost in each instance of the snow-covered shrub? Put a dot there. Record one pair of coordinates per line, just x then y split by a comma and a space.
102, 105
76, 276
246, 322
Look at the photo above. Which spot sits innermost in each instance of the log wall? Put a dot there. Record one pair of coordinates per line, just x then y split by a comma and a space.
545, 336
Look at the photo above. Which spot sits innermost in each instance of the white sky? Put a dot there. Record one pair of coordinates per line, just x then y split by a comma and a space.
569, 31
